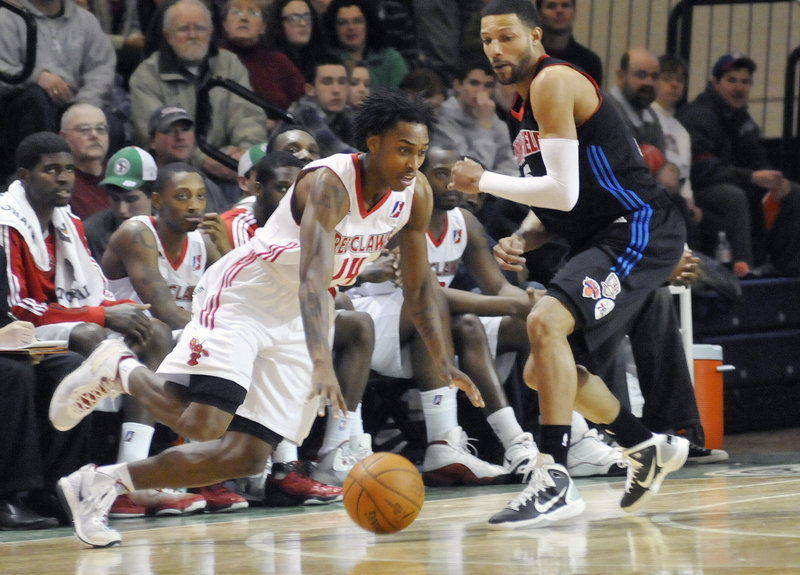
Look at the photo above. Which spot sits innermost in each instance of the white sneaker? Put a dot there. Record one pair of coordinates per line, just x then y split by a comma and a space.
453, 461
520, 453
333, 468
86, 496
590, 456
550, 496
361, 446
95, 379
649, 463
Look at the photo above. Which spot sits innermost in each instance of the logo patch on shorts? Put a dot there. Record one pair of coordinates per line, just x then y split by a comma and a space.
605, 293
591, 288
603, 307
197, 351
611, 286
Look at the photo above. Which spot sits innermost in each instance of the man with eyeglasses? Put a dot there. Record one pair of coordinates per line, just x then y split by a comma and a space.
84, 128
75, 62
171, 76
467, 119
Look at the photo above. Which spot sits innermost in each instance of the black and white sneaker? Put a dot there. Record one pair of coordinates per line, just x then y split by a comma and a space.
649, 463
699, 454
550, 496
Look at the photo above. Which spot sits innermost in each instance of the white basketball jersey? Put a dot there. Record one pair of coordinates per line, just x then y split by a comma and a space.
360, 236
444, 253
181, 276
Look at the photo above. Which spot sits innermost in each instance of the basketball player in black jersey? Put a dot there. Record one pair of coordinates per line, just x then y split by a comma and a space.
585, 180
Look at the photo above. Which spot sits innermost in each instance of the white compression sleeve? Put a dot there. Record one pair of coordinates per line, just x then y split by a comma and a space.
557, 190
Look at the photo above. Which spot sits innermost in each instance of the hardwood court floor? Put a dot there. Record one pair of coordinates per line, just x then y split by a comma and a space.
739, 517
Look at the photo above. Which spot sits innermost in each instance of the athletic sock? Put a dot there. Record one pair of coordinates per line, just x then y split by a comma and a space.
555, 442
579, 427
285, 452
627, 429
337, 431
122, 474
134, 441
125, 368
440, 410
505, 425
356, 423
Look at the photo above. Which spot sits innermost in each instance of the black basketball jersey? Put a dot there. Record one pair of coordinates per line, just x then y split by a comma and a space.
614, 180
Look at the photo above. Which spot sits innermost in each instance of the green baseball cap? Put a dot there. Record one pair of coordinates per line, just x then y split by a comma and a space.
130, 168
251, 157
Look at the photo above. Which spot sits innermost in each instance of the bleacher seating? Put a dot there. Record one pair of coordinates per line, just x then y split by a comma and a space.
760, 337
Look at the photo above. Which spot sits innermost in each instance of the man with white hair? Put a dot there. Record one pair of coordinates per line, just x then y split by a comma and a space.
172, 75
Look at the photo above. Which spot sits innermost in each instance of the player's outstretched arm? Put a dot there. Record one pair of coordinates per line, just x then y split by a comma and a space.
323, 202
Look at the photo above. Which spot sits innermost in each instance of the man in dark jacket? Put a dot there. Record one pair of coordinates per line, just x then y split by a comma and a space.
731, 171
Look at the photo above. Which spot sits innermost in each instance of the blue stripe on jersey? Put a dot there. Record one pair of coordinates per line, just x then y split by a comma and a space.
642, 212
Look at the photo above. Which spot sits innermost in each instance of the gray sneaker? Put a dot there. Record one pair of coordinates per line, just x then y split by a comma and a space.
649, 463
87, 496
550, 496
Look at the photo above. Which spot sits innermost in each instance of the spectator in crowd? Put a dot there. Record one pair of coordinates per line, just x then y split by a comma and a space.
558, 18
357, 35
74, 63
360, 84
428, 83
634, 92
467, 119
399, 25
129, 186
273, 75
731, 170
295, 30
85, 129
172, 139
120, 21
323, 111
440, 27
670, 91
170, 77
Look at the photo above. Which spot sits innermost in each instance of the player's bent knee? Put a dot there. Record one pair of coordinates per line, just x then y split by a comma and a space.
201, 422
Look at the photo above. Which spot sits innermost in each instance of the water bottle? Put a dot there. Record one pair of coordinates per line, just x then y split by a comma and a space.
722, 253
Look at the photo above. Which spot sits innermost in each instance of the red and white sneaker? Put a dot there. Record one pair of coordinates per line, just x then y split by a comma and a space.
94, 380
287, 485
220, 499
168, 501
124, 508
453, 461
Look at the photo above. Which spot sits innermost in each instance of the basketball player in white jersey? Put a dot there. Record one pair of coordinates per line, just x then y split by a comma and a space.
159, 260
254, 365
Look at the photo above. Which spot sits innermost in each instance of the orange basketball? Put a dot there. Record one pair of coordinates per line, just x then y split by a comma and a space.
384, 492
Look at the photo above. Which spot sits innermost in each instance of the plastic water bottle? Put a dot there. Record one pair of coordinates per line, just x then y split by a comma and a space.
722, 253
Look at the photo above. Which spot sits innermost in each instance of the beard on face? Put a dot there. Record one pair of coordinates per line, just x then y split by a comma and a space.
642, 97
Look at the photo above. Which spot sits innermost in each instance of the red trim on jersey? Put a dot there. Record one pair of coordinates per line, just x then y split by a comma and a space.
438, 242
361, 205
184, 249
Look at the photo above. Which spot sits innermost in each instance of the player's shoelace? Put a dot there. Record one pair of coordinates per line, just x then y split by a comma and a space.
88, 399
538, 480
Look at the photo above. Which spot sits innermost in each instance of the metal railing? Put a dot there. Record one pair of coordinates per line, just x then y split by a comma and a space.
204, 111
